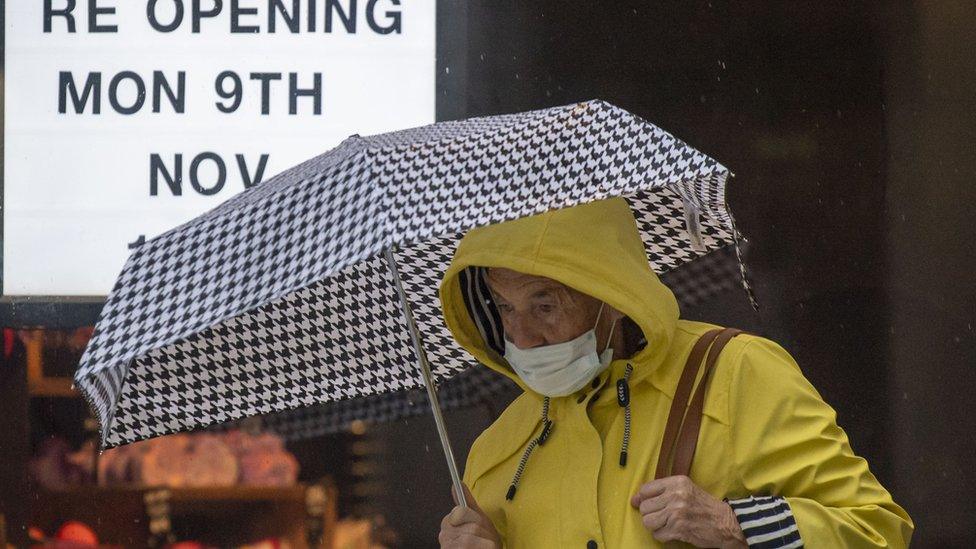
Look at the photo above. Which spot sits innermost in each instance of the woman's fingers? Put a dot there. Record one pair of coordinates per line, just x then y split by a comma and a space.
467, 527
651, 505
656, 520
472, 529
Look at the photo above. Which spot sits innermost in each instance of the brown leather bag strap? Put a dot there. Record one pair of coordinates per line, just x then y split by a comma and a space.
680, 402
688, 438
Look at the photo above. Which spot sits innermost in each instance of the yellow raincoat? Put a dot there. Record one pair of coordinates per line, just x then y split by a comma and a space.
765, 431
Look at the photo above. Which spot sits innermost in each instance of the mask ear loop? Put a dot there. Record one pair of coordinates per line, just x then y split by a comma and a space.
612, 326
609, 337
598, 314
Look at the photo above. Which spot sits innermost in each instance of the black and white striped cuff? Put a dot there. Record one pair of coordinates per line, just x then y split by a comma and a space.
766, 521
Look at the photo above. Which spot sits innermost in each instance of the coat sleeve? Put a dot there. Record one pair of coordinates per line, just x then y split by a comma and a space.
786, 442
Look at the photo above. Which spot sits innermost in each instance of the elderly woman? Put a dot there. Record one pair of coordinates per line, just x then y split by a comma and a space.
573, 313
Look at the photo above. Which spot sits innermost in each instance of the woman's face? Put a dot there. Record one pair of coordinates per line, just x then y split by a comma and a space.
538, 311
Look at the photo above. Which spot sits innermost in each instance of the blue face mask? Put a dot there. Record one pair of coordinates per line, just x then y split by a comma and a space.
563, 368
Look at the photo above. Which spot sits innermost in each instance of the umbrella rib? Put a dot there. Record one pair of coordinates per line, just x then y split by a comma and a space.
427, 377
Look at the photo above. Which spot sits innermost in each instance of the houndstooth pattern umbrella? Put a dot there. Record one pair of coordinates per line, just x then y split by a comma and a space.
289, 294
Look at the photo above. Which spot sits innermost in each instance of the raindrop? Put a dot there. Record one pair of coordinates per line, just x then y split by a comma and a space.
447, 70
427, 448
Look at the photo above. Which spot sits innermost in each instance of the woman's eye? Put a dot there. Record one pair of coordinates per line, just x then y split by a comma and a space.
546, 308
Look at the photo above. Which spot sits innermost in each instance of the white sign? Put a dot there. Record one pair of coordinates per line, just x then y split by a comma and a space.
125, 118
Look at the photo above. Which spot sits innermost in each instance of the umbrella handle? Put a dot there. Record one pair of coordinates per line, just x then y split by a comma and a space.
428, 378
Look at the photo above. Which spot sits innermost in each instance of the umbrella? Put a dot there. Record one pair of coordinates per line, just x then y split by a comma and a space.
319, 285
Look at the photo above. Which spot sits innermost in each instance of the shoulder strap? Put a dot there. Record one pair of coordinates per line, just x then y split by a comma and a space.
681, 431
680, 401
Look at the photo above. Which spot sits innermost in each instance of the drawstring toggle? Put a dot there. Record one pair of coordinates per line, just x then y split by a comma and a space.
546, 430
623, 393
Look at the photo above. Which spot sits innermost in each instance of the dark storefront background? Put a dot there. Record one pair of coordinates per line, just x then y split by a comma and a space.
850, 128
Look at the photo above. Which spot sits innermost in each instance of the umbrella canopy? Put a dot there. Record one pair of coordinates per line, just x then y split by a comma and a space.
281, 297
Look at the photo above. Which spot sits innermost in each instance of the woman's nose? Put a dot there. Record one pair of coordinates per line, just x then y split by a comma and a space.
523, 333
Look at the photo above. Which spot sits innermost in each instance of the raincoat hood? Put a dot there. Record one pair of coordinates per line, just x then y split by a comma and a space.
594, 248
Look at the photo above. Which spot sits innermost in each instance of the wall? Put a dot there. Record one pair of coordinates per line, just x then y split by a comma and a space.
930, 101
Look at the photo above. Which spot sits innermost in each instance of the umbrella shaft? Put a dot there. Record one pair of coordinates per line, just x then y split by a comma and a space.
428, 378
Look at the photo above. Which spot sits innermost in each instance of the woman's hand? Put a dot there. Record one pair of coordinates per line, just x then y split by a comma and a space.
676, 509
468, 528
